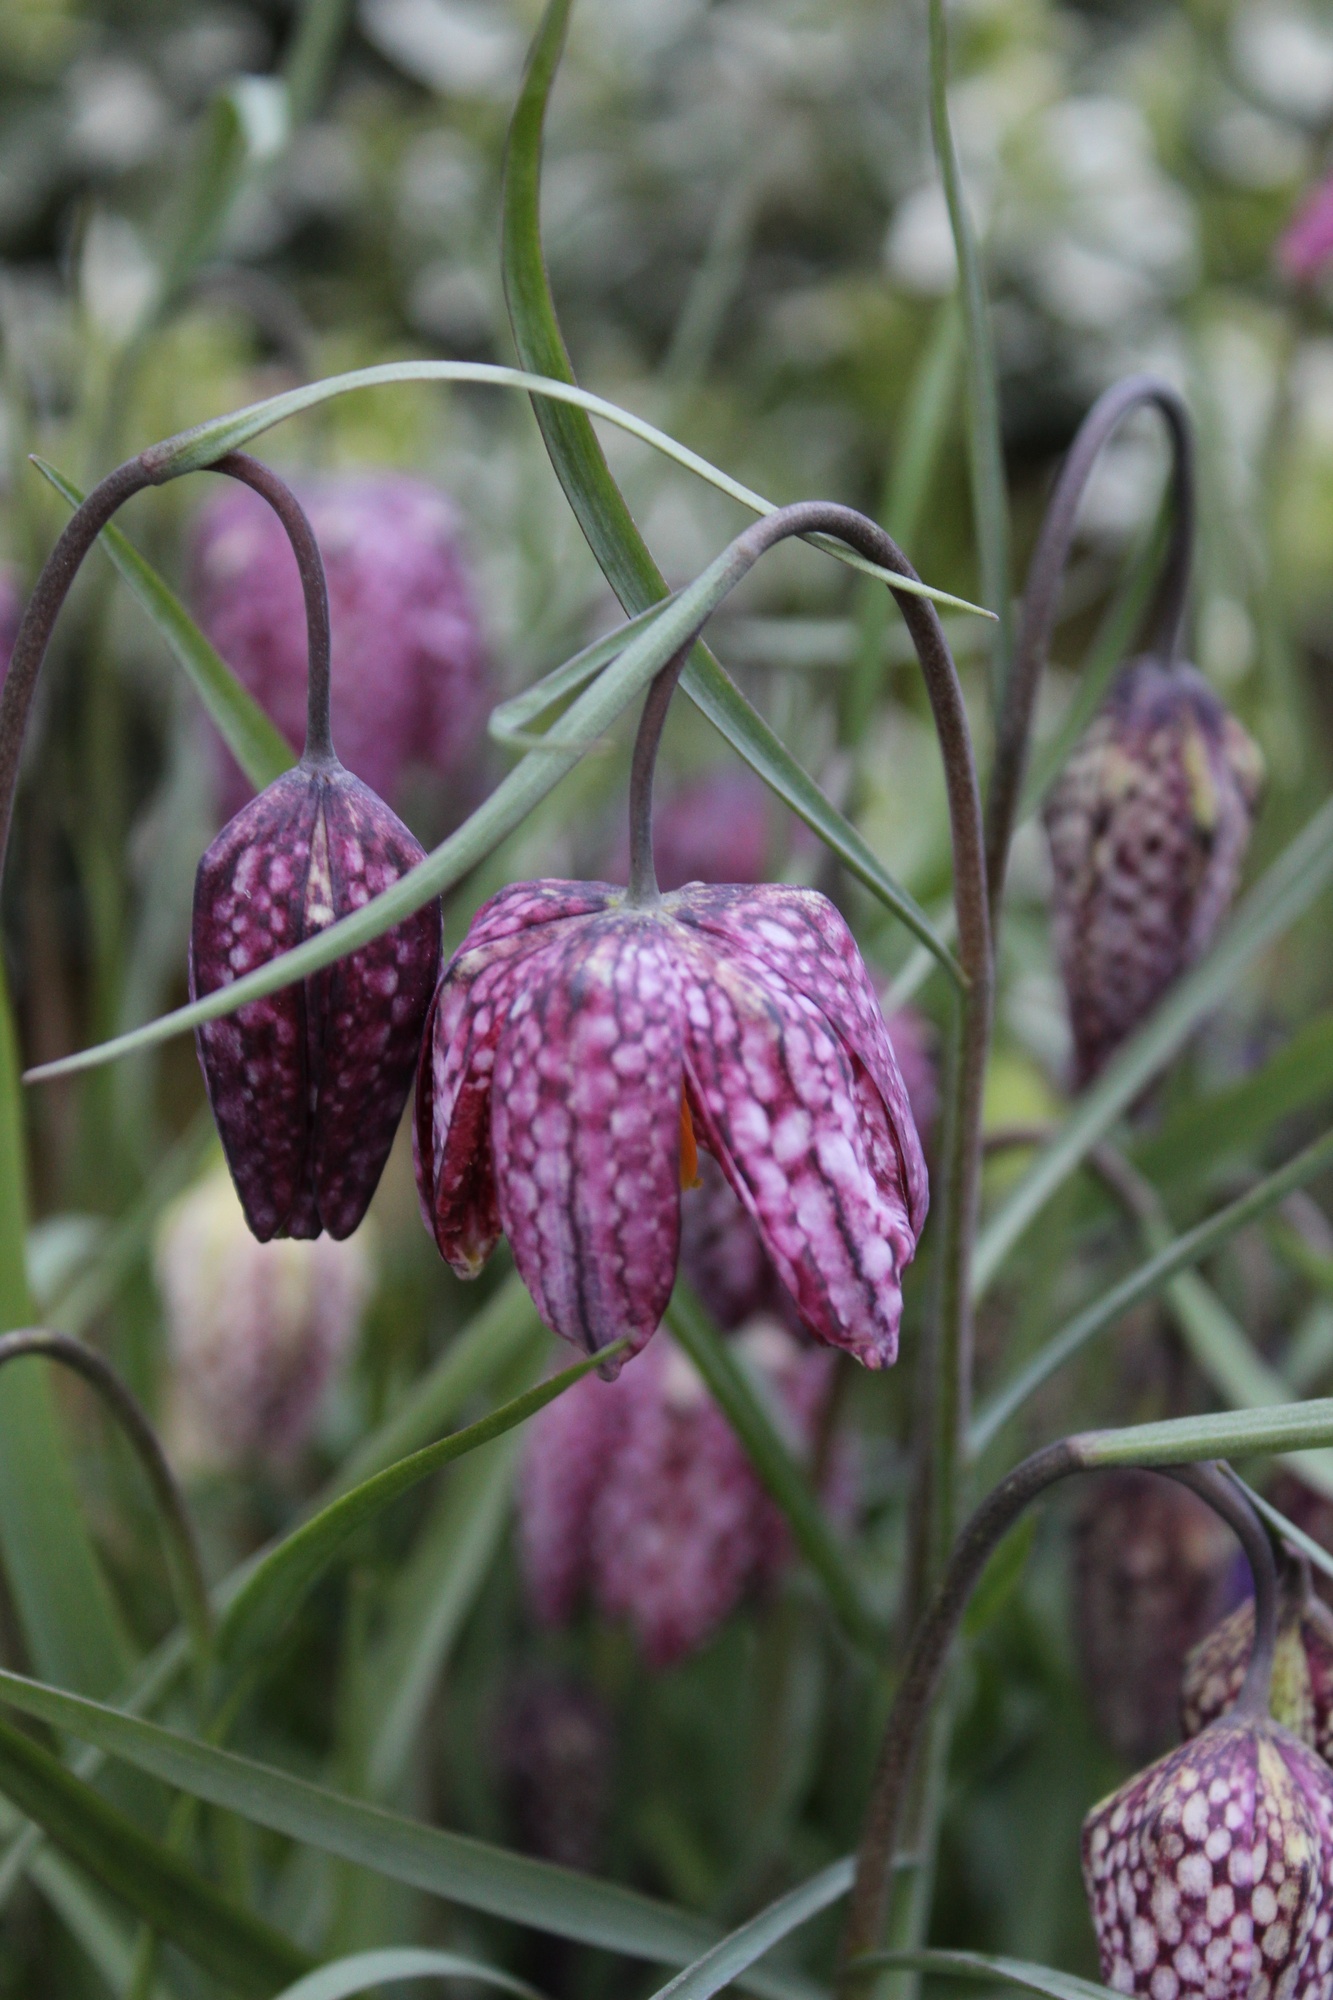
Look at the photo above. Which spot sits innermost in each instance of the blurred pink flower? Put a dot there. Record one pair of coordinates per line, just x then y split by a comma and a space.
716, 829
638, 1493
411, 684
1305, 246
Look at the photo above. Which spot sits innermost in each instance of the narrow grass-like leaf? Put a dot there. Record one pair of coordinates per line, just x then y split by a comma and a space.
276, 1584
364, 1969
1149, 1279
203, 444
109, 1943
510, 722
247, 123
70, 1623
258, 746
433, 1592
738, 1952
988, 1970
155, 1883
451, 1865
1275, 902
777, 1470
1198, 1137
498, 1336
600, 507
990, 493
1222, 1434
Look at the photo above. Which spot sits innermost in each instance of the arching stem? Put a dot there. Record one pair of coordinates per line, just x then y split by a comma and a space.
263, 480
182, 1550
936, 1632
643, 890
1041, 597
61, 567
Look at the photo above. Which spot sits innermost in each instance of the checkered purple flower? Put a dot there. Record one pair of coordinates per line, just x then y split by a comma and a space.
579, 1042
1148, 828
1211, 1873
638, 1494
308, 1084
1302, 1693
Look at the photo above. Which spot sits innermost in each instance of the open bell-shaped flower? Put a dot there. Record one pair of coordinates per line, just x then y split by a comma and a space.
579, 1043
1211, 1872
1148, 827
308, 1084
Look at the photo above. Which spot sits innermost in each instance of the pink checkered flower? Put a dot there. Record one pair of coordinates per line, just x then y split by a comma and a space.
577, 1043
638, 1494
1211, 1872
410, 675
1302, 1691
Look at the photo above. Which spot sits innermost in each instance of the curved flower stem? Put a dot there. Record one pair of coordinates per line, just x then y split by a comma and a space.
936, 1631
43, 607
1042, 594
643, 889
182, 1549
262, 479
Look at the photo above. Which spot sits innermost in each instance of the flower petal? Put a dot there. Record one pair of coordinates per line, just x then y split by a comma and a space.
367, 1010
797, 937
585, 1125
804, 1138
249, 900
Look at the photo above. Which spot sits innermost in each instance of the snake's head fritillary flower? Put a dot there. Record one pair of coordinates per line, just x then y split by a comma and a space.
914, 1046
308, 1085
638, 1493
1210, 1872
1151, 1574
1305, 247
1148, 827
255, 1331
581, 1046
410, 674
1302, 1692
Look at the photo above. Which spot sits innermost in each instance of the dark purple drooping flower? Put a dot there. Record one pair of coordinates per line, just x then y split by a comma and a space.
1211, 1873
638, 1493
1148, 827
577, 1043
308, 1085
411, 685
1302, 1692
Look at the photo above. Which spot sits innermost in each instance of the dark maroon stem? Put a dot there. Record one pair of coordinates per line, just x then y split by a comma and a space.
1041, 596
314, 586
643, 889
936, 1632
61, 567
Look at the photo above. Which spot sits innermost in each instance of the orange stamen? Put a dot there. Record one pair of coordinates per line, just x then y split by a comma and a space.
689, 1147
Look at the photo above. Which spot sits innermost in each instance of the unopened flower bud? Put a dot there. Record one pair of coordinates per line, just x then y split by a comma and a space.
411, 685
1148, 827
1151, 1572
255, 1331
556, 1749
308, 1084
639, 1493
1302, 1692
1209, 1873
